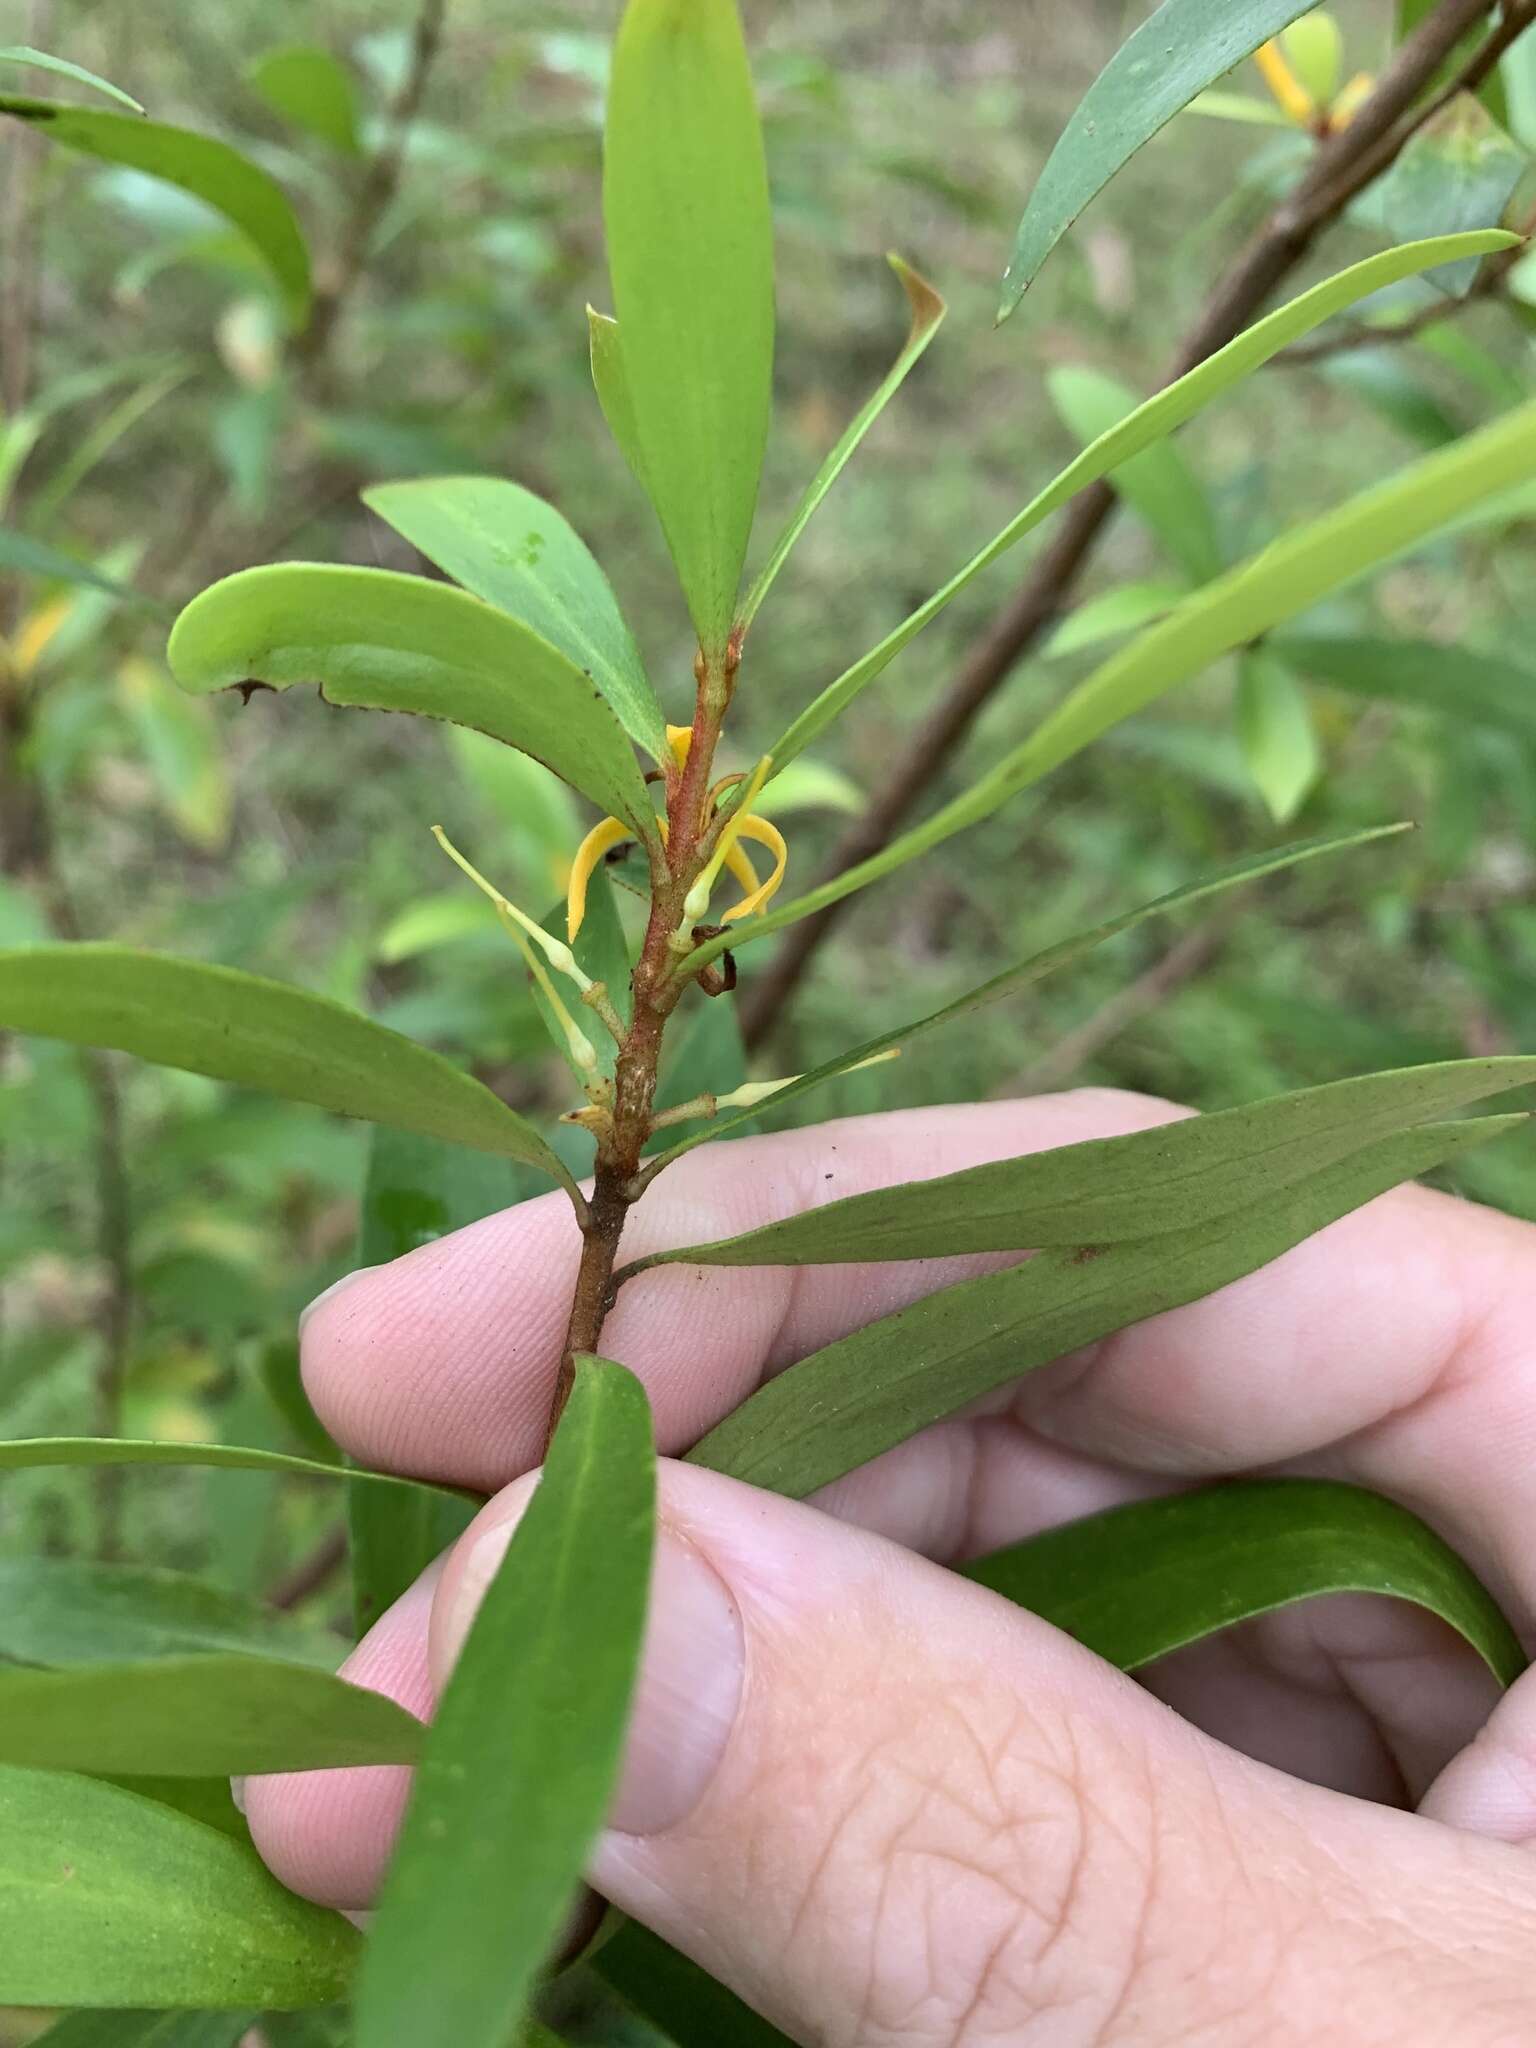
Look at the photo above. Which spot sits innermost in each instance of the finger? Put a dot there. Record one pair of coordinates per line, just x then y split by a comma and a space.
329, 1834
442, 1363
888, 1808
1490, 1788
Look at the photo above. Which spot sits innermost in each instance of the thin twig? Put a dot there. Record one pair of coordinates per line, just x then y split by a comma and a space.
377, 188
1342, 168
1490, 283
311, 1572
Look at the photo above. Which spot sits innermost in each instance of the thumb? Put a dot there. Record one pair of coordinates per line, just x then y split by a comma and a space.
888, 1808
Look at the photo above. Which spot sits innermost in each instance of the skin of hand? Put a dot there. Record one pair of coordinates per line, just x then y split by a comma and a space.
893, 1811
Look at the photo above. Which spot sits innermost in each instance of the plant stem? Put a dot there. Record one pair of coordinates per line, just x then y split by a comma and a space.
1341, 169
656, 993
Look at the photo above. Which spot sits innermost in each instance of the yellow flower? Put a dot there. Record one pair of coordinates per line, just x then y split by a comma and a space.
744, 824
1322, 116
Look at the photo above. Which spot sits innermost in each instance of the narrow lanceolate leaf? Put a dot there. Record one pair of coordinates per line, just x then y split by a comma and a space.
198, 1717
307, 86
211, 171
1276, 734
149, 2030
259, 1034
846, 1404
1158, 484
1141, 1581
21, 1454
1185, 47
1161, 415
1113, 614
1039, 966
1174, 1178
60, 1611
1458, 682
111, 1899
690, 254
36, 558
518, 553
927, 310
40, 60
401, 643
521, 1762
1280, 582
415, 1192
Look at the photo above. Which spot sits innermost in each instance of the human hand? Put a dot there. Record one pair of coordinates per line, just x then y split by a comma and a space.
886, 1806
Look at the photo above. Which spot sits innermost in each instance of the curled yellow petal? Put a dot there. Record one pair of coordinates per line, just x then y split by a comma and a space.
601, 839
1350, 100
736, 860
680, 740
754, 827
1290, 94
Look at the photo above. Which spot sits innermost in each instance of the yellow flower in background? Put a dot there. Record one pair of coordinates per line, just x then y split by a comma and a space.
612, 832
1303, 68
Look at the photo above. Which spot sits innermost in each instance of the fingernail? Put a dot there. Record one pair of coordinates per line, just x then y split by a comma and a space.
336, 1287
689, 1690
690, 1675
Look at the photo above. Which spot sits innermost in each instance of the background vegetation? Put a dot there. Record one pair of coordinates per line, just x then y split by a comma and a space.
161, 433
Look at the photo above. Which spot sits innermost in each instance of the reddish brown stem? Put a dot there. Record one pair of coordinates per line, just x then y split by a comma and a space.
656, 993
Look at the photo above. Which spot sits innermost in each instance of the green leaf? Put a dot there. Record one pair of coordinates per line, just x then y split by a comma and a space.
1278, 583
1459, 171
18, 53
610, 381
1141, 1581
401, 643
149, 2030
308, 87
676, 1996
198, 1717
33, 1452
1162, 413
1158, 484
1112, 614
1105, 1191
1458, 682
259, 1034
1276, 733
110, 1899
846, 1404
518, 553
56, 1612
180, 743
1024, 974
927, 310
519, 1766
34, 558
211, 171
811, 786
690, 254
206, 1799
1185, 47
1245, 107
433, 921
1518, 71
416, 1191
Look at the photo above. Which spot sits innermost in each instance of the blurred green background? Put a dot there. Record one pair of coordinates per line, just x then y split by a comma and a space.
167, 438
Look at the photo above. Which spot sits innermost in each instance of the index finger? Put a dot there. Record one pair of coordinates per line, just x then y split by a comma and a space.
442, 1364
